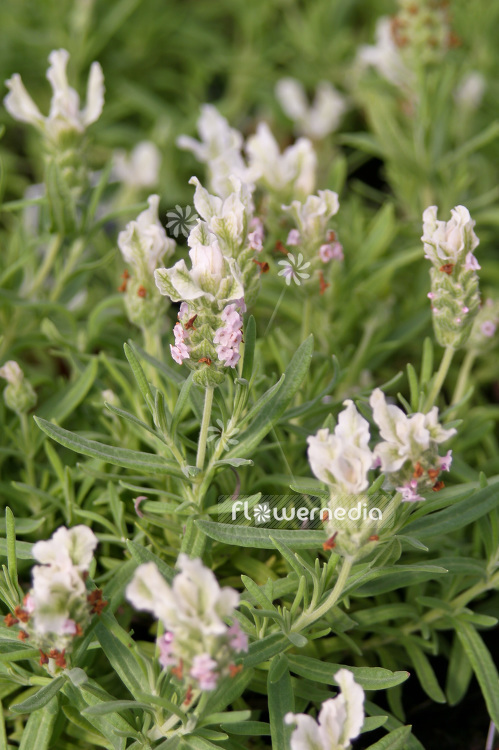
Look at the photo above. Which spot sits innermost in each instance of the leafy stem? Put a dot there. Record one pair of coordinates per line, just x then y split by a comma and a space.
439, 378
312, 615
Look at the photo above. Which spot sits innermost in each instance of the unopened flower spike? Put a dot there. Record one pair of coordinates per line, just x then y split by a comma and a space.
19, 394
287, 176
144, 246
198, 646
140, 168
342, 460
340, 719
454, 292
219, 148
212, 287
65, 114
58, 608
408, 452
314, 121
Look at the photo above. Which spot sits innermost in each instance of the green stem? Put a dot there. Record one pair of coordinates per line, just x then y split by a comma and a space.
28, 455
46, 266
72, 260
439, 378
464, 373
306, 319
307, 618
203, 435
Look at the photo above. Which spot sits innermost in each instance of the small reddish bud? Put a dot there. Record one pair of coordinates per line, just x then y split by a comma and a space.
188, 696
447, 268
323, 285
10, 620
190, 323
21, 614
281, 248
433, 474
438, 486
22, 635
330, 544
43, 658
205, 360
233, 669
374, 538
141, 291
263, 265
178, 671
418, 470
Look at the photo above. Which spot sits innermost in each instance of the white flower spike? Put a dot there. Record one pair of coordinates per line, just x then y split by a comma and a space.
65, 113
340, 719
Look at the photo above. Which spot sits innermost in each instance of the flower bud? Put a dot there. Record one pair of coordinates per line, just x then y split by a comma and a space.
19, 394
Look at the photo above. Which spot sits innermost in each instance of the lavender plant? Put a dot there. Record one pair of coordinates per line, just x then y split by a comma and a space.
250, 490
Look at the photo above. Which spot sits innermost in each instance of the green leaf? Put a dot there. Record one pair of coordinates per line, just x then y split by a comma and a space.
396, 740
62, 404
10, 525
280, 701
456, 516
260, 538
128, 459
121, 657
483, 665
182, 399
109, 707
294, 376
38, 730
40, 698
424, 671
248, 728
249, 348
139, 375
265, 649
459, 673
370, 678
143, 555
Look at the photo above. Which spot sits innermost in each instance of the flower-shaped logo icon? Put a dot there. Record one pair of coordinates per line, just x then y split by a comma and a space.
225, 439
181, 220
261, 513
294, 268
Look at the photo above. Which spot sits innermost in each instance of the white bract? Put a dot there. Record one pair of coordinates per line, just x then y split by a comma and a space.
469, 93
404, 438
340, 719
139, 168
449, 241
313, 216
291, 173
67, 549
219, 148
342, 459
228, 219
318, 119
385, 56
212, 276
65, 113
144, 243
194, 601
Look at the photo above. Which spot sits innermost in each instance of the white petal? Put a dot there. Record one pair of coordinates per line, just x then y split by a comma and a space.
353, 696
20, 105
95, 95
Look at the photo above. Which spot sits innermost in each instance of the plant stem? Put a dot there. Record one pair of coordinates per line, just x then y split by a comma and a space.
306, 319
307, 618
203, 434
46, 266
439, 378
28, 456
462, 380
72, 259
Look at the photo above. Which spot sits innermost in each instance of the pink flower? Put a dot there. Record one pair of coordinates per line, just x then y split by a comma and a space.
331, 251
488, 328
408, 492
184, 310
179, 353
471, 263
166, 658
256, 237
203, 670
445, 461
69, 628
239, 640
294, 237
229, 336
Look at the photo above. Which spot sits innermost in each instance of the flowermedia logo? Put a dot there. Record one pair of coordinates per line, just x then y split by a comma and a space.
181, 220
